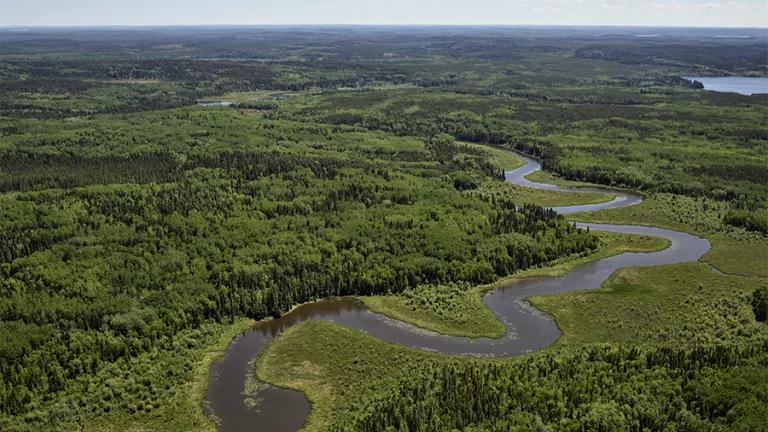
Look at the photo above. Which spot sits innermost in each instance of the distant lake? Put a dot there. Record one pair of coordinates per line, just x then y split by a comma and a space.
214, 103
743, 85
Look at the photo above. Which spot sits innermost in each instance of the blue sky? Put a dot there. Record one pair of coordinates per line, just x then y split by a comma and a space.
726, 13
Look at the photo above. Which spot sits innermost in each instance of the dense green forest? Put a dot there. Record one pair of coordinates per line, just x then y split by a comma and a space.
598, 388
647, 141
613, 111
137, 228
240, 217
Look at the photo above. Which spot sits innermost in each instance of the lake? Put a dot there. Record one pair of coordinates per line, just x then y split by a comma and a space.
742, 85
215, 103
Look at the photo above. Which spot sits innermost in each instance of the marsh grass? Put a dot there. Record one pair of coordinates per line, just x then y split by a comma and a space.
449, 309
335, 367
734, 250
459, 310
683, 303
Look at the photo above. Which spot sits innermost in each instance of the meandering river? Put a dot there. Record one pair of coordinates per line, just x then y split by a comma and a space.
283, 410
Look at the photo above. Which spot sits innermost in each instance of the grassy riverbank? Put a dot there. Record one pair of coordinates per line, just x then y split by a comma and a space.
612, 244
686, 303
524, 195
499, 157
448, 309
459, 311
678, 305
542, 176
348, 375
545, 198
182, 410
335, 367
734, 250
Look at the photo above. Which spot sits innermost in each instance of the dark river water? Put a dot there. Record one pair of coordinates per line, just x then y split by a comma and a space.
528, 329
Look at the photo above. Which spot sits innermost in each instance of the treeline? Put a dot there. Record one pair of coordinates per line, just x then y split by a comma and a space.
30, 171
593, 388
719, 55
51, 74
21, 172
752, 220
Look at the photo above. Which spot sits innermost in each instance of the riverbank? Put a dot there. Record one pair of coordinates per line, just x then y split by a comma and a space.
463, 313
688, 303
334, 381
527, 326
184, 411
734, 250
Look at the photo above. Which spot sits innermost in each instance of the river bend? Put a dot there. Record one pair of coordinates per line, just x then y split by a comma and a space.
286, 410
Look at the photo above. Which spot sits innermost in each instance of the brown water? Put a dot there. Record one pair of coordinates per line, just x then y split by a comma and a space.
528, 329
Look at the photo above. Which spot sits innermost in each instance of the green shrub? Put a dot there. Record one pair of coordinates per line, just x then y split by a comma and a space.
760, 303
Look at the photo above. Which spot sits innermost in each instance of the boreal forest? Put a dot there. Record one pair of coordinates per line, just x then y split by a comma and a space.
166, 191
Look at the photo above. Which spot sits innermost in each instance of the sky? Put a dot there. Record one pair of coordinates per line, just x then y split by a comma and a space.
700, 13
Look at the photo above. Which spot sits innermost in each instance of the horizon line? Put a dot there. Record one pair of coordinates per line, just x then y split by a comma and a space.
75, 26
